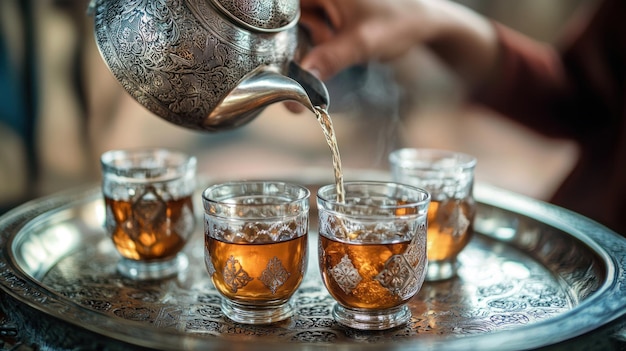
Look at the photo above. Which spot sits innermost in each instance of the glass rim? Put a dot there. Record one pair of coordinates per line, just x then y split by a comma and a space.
178, 161
332, 196
408, 158
304, 195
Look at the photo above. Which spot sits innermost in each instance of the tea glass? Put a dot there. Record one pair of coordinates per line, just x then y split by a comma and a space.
449, 178
372, 251
256, 250
149, 209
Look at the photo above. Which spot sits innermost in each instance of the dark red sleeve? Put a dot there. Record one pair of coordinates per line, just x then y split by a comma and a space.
563, 93
578, 93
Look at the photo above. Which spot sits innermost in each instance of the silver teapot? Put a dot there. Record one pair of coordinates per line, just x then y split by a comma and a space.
206, 64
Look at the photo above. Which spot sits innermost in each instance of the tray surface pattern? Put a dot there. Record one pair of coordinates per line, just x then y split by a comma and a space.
531, 269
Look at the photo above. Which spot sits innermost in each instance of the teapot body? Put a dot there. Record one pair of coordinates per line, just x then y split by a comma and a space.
180, 58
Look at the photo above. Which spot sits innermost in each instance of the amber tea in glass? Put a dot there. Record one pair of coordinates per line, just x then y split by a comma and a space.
153, 240
449, 177
149, 209
256, 247
372, 251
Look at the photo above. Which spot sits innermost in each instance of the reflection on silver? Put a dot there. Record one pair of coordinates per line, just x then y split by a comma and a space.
49, 247
559, 276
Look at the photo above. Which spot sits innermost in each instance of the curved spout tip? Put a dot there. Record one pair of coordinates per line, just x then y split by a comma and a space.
262, 87
315, 89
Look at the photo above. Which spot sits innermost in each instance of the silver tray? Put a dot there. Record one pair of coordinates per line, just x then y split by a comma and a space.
534, 275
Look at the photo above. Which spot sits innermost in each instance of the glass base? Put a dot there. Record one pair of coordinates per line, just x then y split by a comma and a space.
256, 314
441, 270
141, 270
372, 319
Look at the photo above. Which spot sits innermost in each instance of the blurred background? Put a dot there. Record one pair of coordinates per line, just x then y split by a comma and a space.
60, 108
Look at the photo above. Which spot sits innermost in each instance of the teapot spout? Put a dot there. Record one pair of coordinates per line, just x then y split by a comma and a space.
315, 89
262, 87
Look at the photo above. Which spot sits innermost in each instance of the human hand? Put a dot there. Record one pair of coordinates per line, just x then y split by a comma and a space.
351, 32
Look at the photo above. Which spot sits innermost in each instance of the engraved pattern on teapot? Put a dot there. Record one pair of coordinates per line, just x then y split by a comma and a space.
264, 15
179, 58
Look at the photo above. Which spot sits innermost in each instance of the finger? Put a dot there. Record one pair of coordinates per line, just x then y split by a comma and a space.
331, 57
317, 28
326, 9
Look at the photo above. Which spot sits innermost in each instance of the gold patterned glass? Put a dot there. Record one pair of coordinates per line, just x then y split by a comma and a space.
449, 177
149, 209
256, 247
372, 251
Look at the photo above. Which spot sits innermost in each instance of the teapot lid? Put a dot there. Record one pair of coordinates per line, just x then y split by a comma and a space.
261, 15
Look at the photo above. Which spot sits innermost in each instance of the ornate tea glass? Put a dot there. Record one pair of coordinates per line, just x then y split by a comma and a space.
449, 177
372, 251
149, 209
256, 247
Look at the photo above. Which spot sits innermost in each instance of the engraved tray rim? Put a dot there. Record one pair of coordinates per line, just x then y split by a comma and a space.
603, 306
